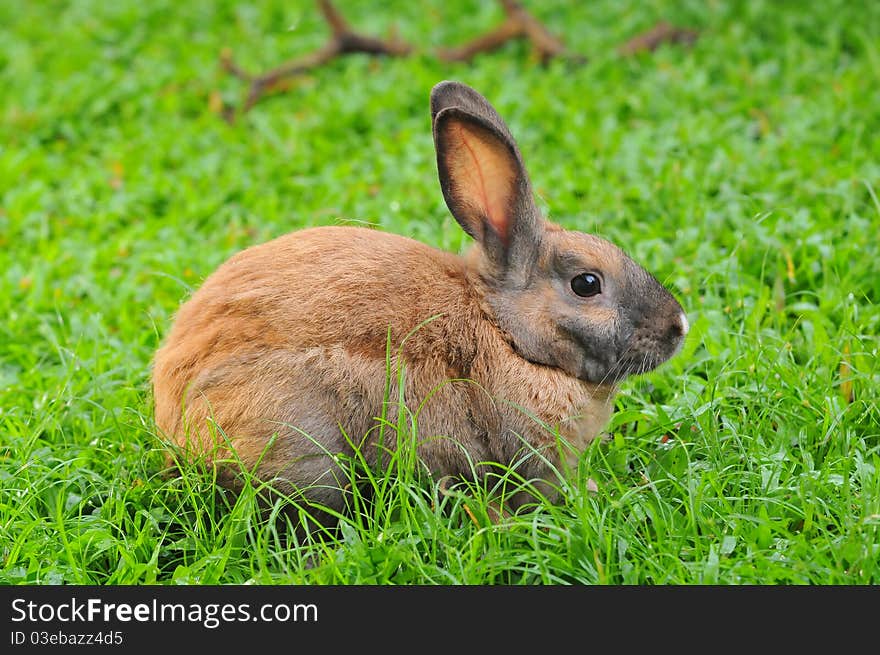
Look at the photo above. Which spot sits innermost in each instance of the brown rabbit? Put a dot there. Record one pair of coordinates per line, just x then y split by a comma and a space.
281, 355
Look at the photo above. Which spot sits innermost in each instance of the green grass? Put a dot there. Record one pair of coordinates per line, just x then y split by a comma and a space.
744, 172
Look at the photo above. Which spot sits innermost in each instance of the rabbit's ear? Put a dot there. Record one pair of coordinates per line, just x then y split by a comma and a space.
483, 179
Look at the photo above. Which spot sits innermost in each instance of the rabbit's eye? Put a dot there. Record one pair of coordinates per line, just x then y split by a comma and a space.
586, 285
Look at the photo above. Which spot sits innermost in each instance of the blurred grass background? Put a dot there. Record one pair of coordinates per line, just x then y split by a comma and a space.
743, 171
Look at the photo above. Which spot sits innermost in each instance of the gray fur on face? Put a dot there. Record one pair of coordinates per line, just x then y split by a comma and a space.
631, 327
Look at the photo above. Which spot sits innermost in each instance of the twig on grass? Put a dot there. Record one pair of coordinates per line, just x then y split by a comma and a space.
661, 33
343, 40
518, 24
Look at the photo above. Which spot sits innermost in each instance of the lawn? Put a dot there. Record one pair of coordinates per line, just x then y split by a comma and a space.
743, 171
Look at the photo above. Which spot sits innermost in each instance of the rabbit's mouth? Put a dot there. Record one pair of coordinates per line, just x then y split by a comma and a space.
603, 363
636, 364
647, 350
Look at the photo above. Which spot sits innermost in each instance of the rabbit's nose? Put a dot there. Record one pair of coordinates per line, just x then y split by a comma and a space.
678, 326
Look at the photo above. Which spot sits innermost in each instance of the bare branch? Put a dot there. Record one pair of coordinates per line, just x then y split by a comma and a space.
653, 38
519, 23
343, 41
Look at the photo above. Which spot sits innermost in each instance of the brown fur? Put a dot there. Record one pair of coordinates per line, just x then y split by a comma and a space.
249, 386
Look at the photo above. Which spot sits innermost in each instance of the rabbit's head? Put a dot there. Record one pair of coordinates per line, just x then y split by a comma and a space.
565, 299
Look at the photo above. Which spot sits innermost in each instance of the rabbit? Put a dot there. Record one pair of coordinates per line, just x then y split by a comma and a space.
513, 351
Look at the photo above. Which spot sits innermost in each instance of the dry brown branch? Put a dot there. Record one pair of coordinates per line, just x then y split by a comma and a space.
343, 40
651, 39
519, 23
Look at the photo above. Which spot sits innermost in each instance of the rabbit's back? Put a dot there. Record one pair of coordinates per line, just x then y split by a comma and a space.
318, 286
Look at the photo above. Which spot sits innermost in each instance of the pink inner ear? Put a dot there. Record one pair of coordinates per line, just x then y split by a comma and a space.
484, 175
